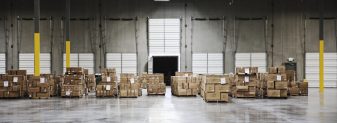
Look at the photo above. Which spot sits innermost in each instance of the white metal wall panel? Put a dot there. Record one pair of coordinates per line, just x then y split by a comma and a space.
207, 63
242, 60
312, 69
259, 60
2, 63
215, 63
150, 66
251, 60
26, 62
86, 60
114, 60
199, 63
129, 63
164, 36
73, 61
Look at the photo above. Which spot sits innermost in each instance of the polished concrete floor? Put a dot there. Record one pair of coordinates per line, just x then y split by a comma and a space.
169, 109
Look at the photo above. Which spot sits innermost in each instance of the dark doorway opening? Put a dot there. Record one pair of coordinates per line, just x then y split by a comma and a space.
167, 65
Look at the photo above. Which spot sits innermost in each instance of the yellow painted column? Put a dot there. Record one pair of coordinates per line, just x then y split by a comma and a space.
67, 54
36, 54
321, 65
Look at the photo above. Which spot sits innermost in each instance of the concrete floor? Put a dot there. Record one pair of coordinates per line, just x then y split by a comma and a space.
169, 109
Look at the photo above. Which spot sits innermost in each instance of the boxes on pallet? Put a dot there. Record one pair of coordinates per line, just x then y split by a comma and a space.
108, 86
39, 87
155, 84
53, 85
184, 85
74, 83
90, 81
13, 84
277, 83
128, 86
303, 88
247, 82
215, 88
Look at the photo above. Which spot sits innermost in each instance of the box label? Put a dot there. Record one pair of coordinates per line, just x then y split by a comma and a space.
278, 77
42, 80
246, 78
68, 93
108, 79
223, 81
186, 74
247, 70
15, 79
5, 83
132, 80
108, 88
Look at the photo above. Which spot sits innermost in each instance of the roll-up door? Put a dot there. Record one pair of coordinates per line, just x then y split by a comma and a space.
26, 62
312, 69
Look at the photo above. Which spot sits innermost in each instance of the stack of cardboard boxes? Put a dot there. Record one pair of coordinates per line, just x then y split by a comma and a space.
184, 85
90, 81
74, 82
247, 81
13, 84
303, 88
53, 85
142, 79
156, 85
128, 86
277, 83
215, 88
107, 87
38, 87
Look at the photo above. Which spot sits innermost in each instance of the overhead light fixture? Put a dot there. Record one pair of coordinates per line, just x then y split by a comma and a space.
162, 0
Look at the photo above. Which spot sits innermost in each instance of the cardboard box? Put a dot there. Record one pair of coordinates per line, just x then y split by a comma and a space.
273, 93
270, 85
242, 88
183, 74
272, 70
212, 96
224, 97
281, 85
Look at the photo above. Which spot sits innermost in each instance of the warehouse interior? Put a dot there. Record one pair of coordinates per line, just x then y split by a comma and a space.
145, 37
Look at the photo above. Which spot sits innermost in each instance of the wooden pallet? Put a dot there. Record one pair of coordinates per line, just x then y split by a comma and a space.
39, 97
215, 101
10, 97
106, 96
128, 96
156, 94
303, 94
71, 96
277, 97
184, 95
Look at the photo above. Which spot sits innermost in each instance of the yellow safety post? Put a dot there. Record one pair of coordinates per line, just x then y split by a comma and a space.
36, 54
67, 54
321, 65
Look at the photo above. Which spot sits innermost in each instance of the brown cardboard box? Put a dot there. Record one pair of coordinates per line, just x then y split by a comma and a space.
284, 93
183, 74
210, 88
277, 77
270, 85
224, 97
273, 93
242, 88
281, 70
272, 70
222, 88
212, 96
281, 85
294, 91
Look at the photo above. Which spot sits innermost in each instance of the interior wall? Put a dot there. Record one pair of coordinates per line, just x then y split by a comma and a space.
286, 32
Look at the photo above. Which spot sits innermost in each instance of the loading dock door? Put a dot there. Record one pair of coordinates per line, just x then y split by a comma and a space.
167, 65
